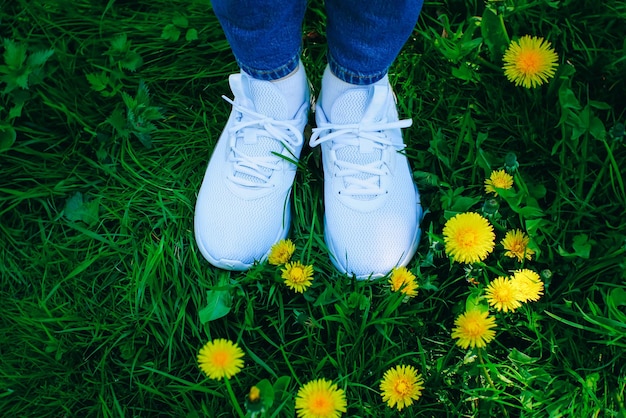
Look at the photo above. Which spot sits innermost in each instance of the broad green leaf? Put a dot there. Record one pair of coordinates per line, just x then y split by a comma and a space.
14, 54
538, 191
129, 101
191, 35
181, 21
267, 393
98, 81
144, 138
521, 358
618, 296
7, 137
358, 301
19, 99
494, 34
39, 58
465, 72
170, 33
131, 61
217, 306
599, 105
530, 212
143, 94
118, 122
475, 300
582, 247
120, 44
463, 203
282, 384
21, 79
281, 389
79, 209
151, 113
596, 128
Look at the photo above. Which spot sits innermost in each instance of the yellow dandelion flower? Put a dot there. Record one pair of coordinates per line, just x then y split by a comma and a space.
468, 237
320, 398
281, 252
500, 179
515, 243
402, 280
298, 276
528, 284
401, 385
474, 328
530, 61
503, 295
220, 358
255, 394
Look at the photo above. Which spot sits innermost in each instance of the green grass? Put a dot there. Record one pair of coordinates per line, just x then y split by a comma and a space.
102, 285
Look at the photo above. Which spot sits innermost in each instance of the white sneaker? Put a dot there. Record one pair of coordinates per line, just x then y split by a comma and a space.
243, 206
372, 206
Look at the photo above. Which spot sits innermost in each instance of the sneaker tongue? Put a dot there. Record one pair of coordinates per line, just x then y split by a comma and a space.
266, 100
350, 108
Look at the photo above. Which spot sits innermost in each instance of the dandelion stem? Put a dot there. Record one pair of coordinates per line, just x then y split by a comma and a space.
233, 398
488, 377
482, 61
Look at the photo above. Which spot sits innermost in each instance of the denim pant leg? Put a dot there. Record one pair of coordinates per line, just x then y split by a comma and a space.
264, 35
366, 36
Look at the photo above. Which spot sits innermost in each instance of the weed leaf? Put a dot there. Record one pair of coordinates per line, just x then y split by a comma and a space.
170, 33
7, 137
581, 245
14, 54
132, 61
79, 209
181, 21
98, 81
218, 305
120, 44
191, 35
39, 58
494, 34
118, 122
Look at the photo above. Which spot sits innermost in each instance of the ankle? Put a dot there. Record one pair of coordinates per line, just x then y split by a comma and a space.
333, 87
293, 88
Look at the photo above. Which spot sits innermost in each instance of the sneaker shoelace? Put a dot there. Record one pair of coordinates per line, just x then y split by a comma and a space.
257, 170
359, 179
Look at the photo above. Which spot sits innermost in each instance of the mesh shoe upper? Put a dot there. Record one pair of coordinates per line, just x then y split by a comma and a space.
243, 204
372, 207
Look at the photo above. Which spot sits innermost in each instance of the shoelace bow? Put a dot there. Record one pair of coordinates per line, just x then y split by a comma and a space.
285, 132
357, 184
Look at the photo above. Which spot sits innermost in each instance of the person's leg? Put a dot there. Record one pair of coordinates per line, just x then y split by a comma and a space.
372, 207
243, 205
264, 35
365, 37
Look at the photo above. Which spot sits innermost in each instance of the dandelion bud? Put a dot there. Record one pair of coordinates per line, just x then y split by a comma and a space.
510, 162
255, 394
490, 207
546, 274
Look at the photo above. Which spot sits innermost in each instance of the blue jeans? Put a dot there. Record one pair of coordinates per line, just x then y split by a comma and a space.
364, 37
